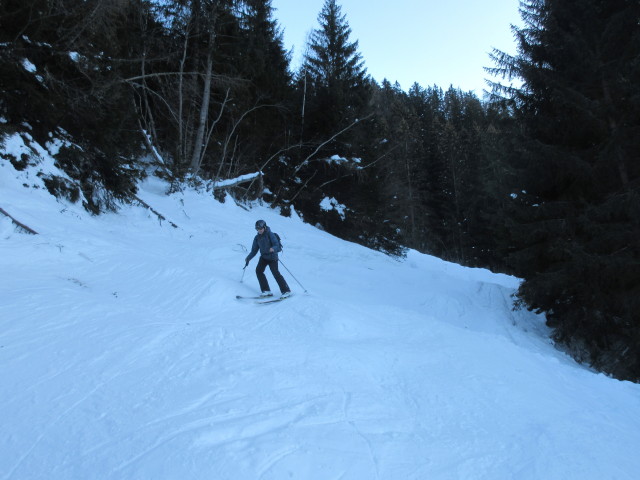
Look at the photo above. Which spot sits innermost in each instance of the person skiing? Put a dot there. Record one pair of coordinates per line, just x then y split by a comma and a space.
267, 243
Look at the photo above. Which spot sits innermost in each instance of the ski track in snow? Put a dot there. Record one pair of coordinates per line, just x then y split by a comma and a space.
125, 355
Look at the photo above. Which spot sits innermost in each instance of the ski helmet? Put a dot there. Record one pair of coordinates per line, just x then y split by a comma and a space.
261, 224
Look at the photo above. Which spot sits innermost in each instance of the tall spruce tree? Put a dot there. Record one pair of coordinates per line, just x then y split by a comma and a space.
337, 83
577, 227
265, 59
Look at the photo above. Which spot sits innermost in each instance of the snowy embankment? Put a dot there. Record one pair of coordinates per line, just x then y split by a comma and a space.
124, 355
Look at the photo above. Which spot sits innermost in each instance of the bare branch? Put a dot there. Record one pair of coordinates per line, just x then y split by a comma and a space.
19, 224
151, 147
156, 213
303, 186
306, 160
172, 74
230, 136
379, 158
213, 125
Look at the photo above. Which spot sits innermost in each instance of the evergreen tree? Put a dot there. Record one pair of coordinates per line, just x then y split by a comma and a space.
264, 100
265, 59
397, 138
577, 225
63, 68
338, 85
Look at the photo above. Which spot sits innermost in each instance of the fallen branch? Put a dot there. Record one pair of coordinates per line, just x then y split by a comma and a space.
250, 177
19, 224
156, 213
152, 149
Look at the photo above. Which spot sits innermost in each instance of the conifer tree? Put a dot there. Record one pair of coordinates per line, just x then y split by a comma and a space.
335, 73
578, 222
78, 54
265, 59
263, 100
398, 148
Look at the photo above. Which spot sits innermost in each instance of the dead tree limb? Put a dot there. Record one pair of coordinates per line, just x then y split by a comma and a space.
19, 224
236, 182
306, 160
156, 213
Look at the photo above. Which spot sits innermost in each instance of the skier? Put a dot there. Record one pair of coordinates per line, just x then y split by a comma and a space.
269, 246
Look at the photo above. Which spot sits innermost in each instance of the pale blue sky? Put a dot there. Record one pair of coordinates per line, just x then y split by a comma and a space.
441, 42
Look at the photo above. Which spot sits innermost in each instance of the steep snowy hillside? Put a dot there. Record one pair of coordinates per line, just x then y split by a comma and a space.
125, 355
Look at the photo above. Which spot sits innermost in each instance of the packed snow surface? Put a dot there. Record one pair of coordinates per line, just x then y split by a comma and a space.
124, 354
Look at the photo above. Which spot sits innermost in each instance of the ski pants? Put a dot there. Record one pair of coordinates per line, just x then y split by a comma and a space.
262, 278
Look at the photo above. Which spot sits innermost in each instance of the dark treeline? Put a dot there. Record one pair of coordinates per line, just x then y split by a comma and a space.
540, 180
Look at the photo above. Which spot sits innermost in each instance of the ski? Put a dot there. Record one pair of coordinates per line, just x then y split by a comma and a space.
272, 300
262, 300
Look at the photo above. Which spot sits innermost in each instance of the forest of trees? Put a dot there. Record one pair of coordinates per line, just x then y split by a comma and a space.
540, 181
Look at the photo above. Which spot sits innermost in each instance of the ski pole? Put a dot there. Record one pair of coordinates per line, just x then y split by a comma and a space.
242, 278
285, 267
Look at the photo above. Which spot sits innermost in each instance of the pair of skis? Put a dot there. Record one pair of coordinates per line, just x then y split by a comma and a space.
263, 300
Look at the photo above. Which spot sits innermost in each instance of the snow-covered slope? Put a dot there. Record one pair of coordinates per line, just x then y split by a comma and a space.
125, 355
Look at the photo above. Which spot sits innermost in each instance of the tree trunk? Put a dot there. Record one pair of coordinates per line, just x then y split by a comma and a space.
182, 148
196, 158
613, 126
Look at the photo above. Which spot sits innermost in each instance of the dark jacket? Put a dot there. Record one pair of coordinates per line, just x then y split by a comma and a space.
264, 242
